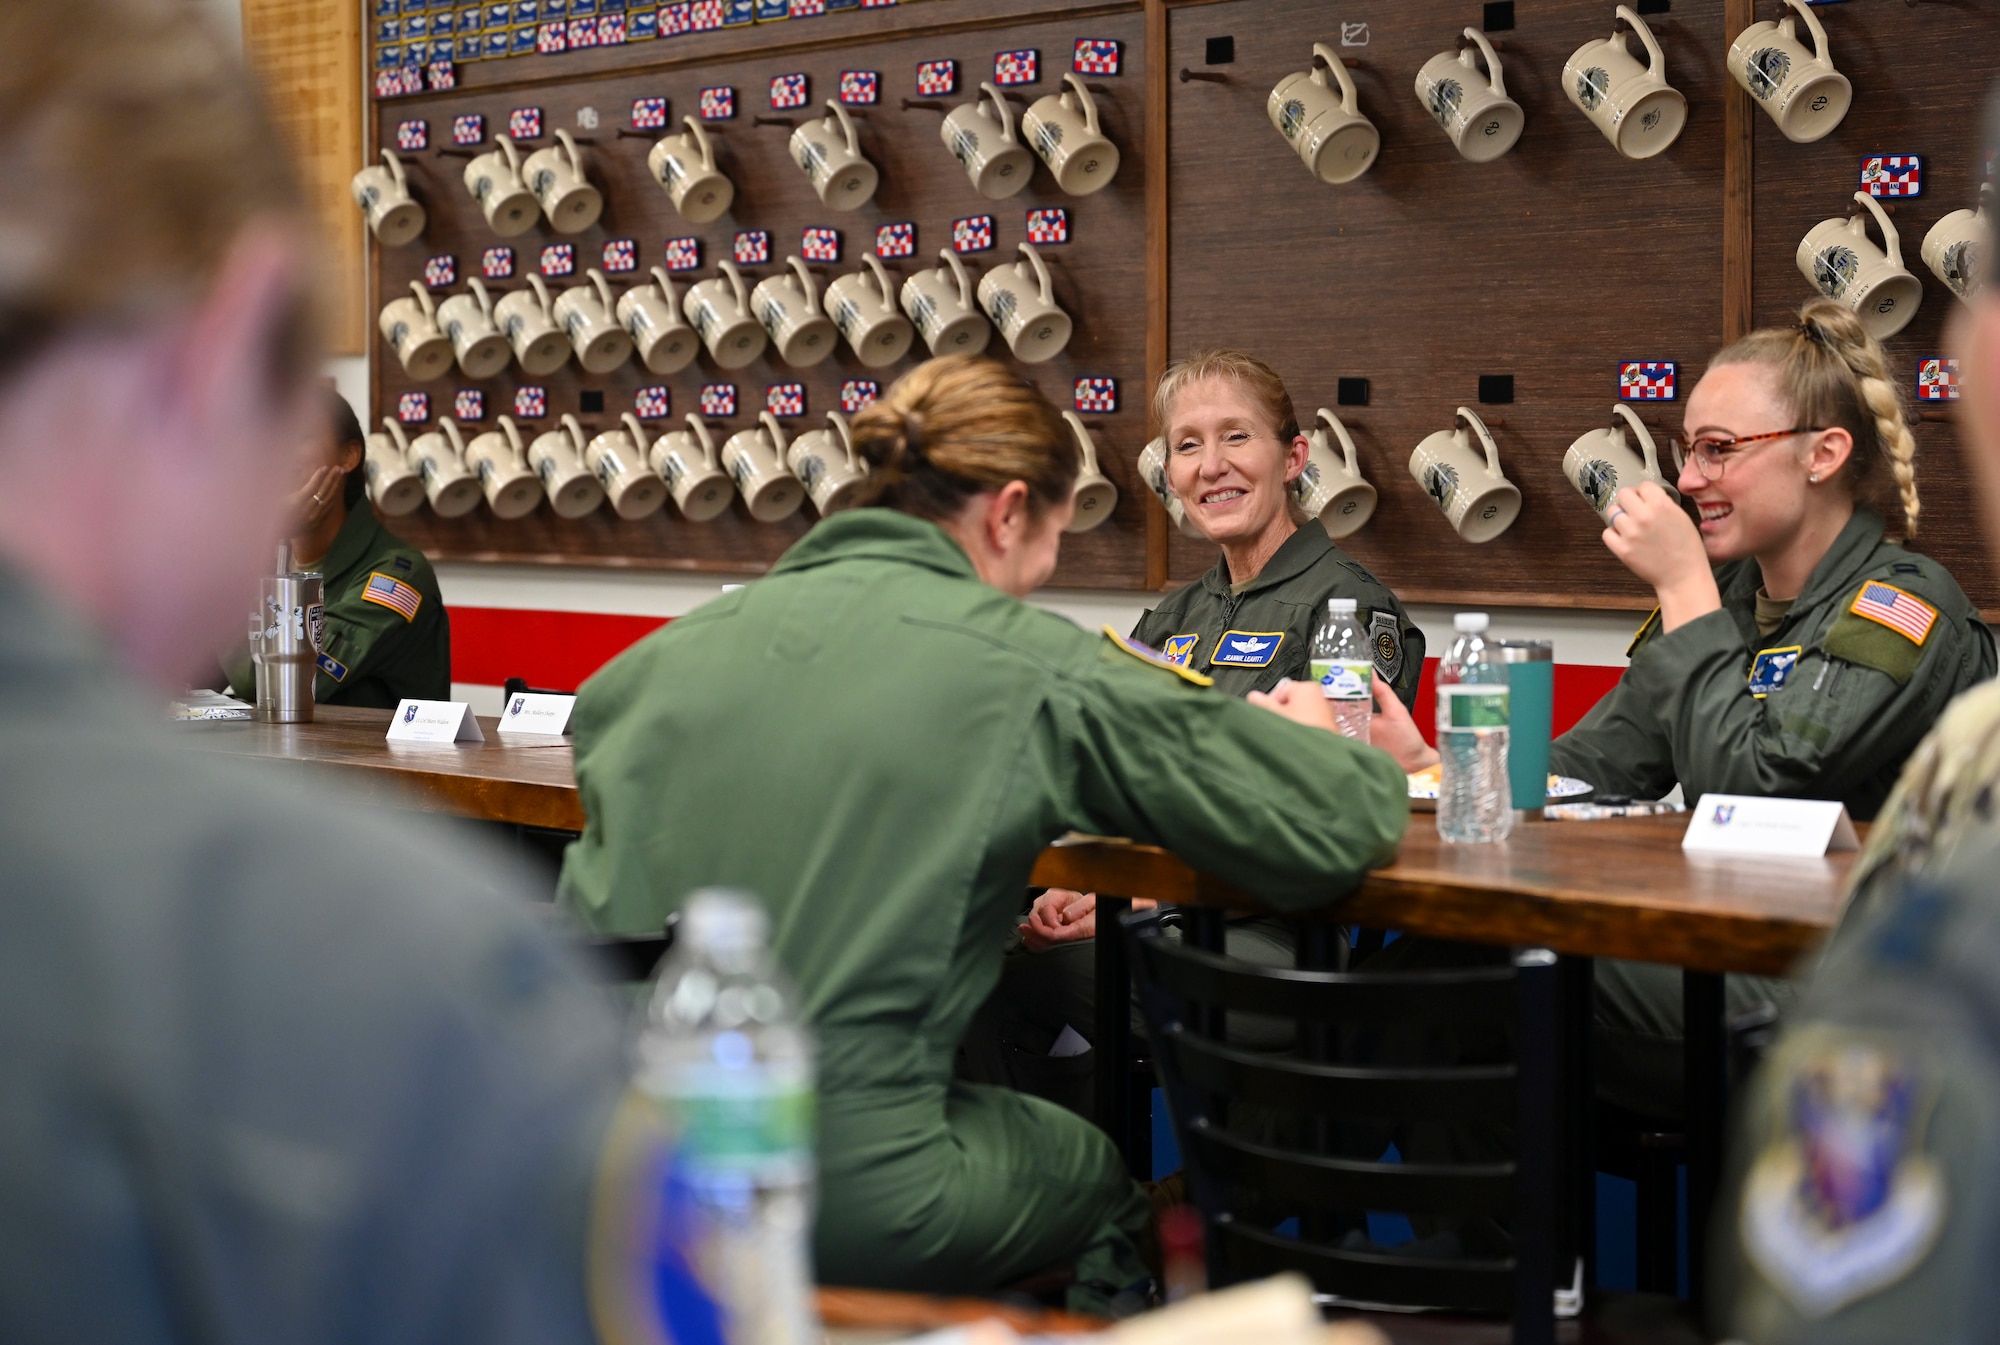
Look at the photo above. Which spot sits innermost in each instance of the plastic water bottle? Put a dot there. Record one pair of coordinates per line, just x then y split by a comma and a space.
1344, 667
1474, 803
732, 1070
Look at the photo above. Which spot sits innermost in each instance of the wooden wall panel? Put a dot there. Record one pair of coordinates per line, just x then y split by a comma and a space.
1099, 274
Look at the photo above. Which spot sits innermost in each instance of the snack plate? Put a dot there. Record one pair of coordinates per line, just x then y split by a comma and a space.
1424, 789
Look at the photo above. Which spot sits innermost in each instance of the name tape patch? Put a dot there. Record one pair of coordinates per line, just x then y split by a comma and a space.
1771, 667
1246, 648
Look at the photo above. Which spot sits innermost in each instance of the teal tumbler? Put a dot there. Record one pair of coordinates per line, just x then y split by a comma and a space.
1531, 695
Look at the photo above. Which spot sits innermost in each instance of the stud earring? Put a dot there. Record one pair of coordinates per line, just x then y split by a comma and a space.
1814, 478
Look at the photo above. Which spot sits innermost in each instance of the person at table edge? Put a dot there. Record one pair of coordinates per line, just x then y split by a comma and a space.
1234, 457
878, 739
387, 636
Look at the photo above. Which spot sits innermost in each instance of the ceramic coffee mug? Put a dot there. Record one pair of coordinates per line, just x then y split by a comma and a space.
1795, 83
830, 153
787, 306
1474, 110
555, 175
557, 458
588, 316
1837, 256
719, 308
1153, 471
1021, 300
1062, 128
825, 461
394, 488
1635, 107
383, 194
1601, 463
617, 458
1954, 249
863, 309
439, 459
494, 179
652, 317
755, 461
1093, 495
1323, 126
467, 320
940, 303
1471, 491
410, 327
685, 459
684, 164
1331, 487
980, 135
529, 324
501, 464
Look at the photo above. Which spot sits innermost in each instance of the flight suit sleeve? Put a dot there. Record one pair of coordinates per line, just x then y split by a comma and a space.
1292, 814
1617, 748
366, 629
1834, 725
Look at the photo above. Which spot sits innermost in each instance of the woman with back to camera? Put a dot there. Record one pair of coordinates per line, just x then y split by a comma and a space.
1795, 652
878, 739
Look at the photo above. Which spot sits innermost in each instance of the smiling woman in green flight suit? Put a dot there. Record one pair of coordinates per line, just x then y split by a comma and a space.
878, 739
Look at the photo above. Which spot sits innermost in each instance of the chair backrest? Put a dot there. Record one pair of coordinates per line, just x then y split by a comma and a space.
1460, 1059
516, 686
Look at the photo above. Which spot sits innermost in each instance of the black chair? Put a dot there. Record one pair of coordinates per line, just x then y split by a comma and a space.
518, 686
1331, 1093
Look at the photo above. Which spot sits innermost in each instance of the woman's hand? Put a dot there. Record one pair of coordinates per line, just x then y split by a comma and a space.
1062, 916
1300, 702
1396, 733
1658, 542
310, 503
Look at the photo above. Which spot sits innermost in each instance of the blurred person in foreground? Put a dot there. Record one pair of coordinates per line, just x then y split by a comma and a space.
273, 1068
1865, 1198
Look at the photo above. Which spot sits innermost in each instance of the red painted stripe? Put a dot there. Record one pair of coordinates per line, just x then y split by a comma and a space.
1578, 686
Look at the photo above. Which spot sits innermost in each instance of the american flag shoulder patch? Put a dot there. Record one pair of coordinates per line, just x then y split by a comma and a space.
1887, 605
392, 593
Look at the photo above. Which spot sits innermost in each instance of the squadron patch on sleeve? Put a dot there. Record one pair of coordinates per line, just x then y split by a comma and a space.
1770, 669
1147, 654
392, 593
1844, 1201
1179, 648
1386, 635
333, 667
1246, 649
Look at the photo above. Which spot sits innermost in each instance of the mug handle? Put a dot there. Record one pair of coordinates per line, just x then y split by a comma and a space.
1494, 80
479, 293
1048, 286
424, 300
999, 102
846, 126
603, 288
395, 168
1085, 101
450, 428
542, 293
805, 281
1084, 441
873, 263
1820, 53
839, 423
699, 429
396, 433
666, 284
957, 269
777, 432
1648, 450
1891, 242
1332, 422
1338, 68
506, 144
577, 438
575, 154
701, 141
735, 278
1470, 417
513, 433
637, 431
1656, 60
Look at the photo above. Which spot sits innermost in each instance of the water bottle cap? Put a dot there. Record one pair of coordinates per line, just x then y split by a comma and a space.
1469, 621
1340, 606
717, 917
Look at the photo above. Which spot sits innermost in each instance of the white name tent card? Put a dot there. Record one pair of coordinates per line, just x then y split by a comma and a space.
1739, 824
434, 722
536, 713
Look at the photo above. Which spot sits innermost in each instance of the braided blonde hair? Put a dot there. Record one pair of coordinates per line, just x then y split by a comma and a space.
1833, 373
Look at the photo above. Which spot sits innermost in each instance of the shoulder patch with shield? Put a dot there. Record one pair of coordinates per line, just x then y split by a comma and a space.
1148, 655
1385, 633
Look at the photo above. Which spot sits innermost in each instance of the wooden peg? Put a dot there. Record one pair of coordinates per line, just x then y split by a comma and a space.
624, 134
927, 104
761, 120
1205, 76
1936, 417
447, 152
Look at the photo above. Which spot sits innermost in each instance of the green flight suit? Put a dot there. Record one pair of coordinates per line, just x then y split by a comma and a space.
878, 744
1846, 699
1283, 603
378, 649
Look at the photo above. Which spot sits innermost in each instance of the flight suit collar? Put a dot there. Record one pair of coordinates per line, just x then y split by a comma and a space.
878, 534
1838, 570
358, 539
1300, 552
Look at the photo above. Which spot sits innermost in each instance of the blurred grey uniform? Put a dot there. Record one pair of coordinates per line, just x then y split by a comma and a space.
272, 1067
1864, 1200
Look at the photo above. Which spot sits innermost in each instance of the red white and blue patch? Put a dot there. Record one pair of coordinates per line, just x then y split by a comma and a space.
524, 123
806, 9
1901, 612
1893, 175
582, 33
788, 92
1648, 380
413, 135
388, 591
935, 79
896, 240
676, 19
469, 404
531, 403
652, 403
1048, 224
820, 245
1021, 66
1937, 379
785, 399
683, 254
621, 254
860, 88
718, 103
1096, 396
558, 259
856, 393
440, 271
973, 233
468, 129
441, 76
752, 247
718, 399
649, 114
497, 263
705, 15
1095, 56
611, 30
413, 408
551, 38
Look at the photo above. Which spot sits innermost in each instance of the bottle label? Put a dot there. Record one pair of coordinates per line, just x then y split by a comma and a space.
1473, 707
1345, 680
742, 1121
